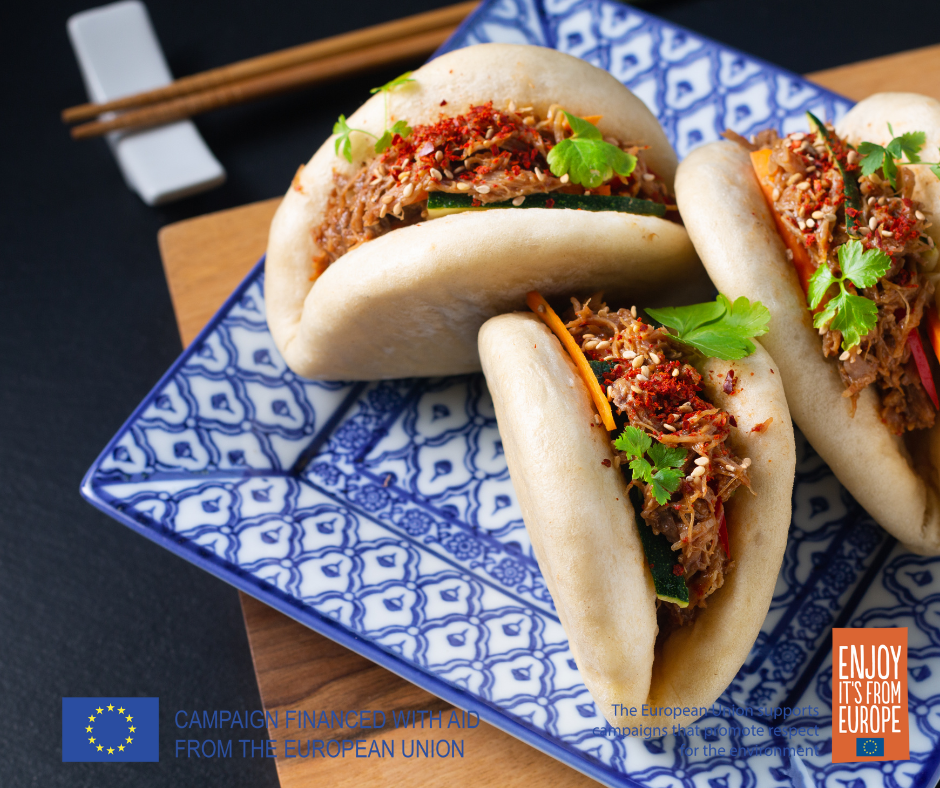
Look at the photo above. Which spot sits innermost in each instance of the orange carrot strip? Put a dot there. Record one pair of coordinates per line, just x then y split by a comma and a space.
547, 315
760, 160
933, 329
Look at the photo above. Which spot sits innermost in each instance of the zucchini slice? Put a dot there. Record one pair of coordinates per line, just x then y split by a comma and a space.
853, 197
661, 559
444, 203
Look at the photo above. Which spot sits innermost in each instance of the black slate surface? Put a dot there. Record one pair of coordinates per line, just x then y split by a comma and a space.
86, 328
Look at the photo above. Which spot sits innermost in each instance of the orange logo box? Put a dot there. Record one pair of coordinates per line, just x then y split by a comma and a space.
869, 695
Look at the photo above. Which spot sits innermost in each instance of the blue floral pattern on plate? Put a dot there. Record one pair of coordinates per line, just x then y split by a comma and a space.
382, 514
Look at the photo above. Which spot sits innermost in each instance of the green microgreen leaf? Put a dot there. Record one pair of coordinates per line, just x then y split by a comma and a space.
343, 143
642, 470
935, 169
586, 158
400, 127
393, 84
911, 144
853, 315
718, 329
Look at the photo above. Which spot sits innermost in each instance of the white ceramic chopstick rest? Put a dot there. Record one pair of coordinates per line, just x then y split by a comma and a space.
119, 54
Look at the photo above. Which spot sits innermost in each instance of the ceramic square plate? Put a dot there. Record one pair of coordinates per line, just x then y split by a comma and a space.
382, 514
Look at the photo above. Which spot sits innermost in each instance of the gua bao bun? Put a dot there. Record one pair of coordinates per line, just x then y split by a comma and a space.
410, 301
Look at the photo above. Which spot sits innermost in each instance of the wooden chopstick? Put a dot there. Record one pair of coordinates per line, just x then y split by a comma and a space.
409, 26
268, 84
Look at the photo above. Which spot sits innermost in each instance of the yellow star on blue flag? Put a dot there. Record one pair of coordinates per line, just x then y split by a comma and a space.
110, 741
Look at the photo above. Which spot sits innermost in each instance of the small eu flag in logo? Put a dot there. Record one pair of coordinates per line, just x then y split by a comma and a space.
869, 748
111, 729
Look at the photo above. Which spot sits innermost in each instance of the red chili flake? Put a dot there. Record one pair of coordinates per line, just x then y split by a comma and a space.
762, 427
732, 420
549, 203
605, 463
728, 385
678, 570
444, 103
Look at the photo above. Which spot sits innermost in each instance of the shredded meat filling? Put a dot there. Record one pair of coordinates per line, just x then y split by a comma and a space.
493, 155
662, 395
809, 195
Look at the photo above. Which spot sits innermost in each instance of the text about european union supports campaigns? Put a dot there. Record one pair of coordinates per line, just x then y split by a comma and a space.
326, 733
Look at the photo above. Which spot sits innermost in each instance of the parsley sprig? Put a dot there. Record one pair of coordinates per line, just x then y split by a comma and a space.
853, 315
719, 328
663, 473
874, 157
586, 157
342, 129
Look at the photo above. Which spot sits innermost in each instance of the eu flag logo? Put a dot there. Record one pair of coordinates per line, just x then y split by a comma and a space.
111, 729
869, 748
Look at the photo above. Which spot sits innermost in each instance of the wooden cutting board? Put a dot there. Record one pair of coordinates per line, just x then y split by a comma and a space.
204, 259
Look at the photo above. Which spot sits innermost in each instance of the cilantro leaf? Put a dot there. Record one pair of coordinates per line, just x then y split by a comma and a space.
863, 267
642, 470
395, 83
890, 169
819, 283
872, 157
400, 127
718, 329
853, 315
665, 482
664, 456
911, 144
586, 158
935, 169
341, 128
633, 441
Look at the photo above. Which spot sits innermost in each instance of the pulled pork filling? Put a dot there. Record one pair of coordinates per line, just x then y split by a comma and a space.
809, 195
493, 155
653, 388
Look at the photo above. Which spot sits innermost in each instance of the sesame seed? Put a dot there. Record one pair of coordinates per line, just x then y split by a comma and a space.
408, 190
810, 223
589, 345
638, 362
746, 462
633, 311
437, 174
642, 378
648, 176
564, 178
525, 109
463, 186
872, 200
675, 372
776, 195
629, 354
811, 168
801, 224
539, 174
518, 200
512, 106
396, 209
852, 157
699, 471
403, 175
636, 389
490, 132
654, 358
702, 461
730, 468
386, 199
882, 201
795, 178
685, 407
439, 155
818, 214
382, 211
669, 427
803, 186
483, 189
460, 169
844, 356
873, 223
886, 234
449, 174
603, 345
528, 120
920, 216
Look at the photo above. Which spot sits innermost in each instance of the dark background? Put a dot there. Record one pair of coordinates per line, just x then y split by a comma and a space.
87, 607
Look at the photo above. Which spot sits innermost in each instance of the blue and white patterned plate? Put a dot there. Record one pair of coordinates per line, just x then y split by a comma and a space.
382, 514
